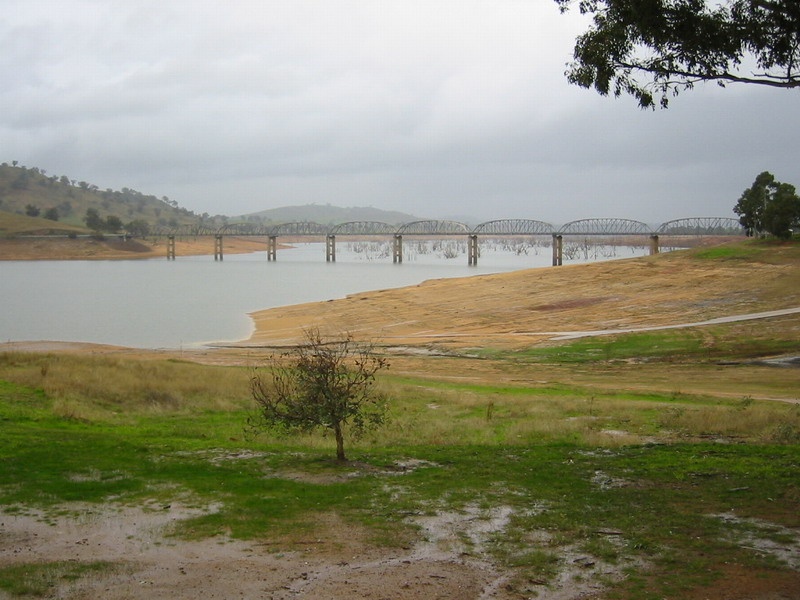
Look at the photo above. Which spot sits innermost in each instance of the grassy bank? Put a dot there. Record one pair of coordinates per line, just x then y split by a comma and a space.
660, 487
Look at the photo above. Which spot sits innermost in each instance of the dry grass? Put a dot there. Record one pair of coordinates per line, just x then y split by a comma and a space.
104, 387
430, 411
745, 420
521, 309
456, 415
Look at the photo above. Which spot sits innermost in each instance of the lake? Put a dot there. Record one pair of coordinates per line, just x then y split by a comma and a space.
196, 301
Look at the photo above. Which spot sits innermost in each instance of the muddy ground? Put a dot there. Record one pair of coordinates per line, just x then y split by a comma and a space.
336, 561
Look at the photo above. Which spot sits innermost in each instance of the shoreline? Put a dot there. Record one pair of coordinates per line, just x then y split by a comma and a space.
114, 248
526, 307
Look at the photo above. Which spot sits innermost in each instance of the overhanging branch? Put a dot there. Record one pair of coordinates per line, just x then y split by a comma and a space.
787, 82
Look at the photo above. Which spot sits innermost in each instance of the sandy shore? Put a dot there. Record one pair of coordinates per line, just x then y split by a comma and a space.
523, 308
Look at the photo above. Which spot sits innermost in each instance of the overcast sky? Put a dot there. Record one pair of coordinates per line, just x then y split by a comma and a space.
439, 108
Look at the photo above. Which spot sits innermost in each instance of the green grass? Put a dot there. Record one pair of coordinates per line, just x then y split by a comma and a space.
173, 432
738, 251
661, 345
754, 250
704, 344
38, 580
12, 224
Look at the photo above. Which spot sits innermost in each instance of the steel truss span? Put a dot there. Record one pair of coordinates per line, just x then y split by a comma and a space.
243, 229
183, 231
605, 227
362, 228
702, 226
513, 227
298, 228
432, 228
694, 226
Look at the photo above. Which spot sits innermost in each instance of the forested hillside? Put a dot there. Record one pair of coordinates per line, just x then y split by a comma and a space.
67, 204
33, 201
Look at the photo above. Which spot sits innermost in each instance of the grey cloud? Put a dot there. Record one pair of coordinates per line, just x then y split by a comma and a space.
415, 106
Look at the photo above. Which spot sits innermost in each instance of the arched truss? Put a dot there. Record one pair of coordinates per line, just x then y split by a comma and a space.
702, 226
606, 227
362, 228
193, 230
723, 226
433, 228
514, 227
243, 229
298, 228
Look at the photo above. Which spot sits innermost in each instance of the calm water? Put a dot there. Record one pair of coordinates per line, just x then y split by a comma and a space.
195, 300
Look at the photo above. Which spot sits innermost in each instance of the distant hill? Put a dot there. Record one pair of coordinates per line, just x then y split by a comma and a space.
62, 203
327, 214
35, 202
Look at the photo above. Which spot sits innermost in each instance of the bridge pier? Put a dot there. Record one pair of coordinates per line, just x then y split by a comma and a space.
397, 249
654, 244
218, 246
170, 247
558, 250
330, 248
472, 250
272, 248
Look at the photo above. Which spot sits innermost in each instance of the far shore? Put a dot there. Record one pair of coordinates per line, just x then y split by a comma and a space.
114, 248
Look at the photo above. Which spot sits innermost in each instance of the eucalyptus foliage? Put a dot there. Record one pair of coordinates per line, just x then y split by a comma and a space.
322, 383
653, 49
769, 206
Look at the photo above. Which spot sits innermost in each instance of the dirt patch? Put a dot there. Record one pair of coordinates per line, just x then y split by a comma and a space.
743, 582
450, 558
335, 562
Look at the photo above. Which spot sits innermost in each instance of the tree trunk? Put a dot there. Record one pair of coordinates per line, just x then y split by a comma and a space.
337, 429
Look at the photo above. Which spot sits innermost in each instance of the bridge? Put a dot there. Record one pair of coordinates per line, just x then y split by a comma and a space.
601, 227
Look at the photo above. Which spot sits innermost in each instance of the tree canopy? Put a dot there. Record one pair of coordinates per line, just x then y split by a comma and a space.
769, 206
653, 49
323, 383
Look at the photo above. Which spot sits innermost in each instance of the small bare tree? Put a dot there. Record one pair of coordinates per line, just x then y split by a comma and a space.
322, 383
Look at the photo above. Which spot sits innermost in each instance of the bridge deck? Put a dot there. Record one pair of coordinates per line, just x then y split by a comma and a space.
694, 226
